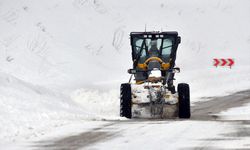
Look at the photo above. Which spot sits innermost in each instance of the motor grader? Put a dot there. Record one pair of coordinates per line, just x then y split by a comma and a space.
150, 92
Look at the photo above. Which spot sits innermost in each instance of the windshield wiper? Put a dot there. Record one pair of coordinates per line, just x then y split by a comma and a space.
139, 55
167, 46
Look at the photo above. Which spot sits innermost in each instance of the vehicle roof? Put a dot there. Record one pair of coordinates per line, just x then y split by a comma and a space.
155, 33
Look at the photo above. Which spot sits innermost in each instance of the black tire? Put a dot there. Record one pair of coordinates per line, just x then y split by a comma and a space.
184, 100
125, 100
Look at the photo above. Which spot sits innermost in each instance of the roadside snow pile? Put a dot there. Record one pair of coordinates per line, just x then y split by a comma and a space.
106, 104
28, 111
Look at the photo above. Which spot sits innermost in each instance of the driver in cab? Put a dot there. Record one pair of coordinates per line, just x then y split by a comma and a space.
153, 50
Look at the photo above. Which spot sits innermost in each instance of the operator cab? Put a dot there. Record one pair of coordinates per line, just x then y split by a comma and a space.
153, 50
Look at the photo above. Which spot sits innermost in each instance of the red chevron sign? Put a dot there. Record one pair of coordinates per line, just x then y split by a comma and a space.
223, 62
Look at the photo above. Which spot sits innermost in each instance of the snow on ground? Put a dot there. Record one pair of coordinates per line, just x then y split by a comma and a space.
63, 61
239, 113
174, 135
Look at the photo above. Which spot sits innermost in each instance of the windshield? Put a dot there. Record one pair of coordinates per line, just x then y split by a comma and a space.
148, 47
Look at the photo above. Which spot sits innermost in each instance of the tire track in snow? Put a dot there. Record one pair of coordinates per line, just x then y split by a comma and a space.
207, 110
84, 139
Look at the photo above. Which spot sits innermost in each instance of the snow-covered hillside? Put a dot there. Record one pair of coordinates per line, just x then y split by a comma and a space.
64, 60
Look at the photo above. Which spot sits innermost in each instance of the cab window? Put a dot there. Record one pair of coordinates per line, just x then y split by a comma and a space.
167, 46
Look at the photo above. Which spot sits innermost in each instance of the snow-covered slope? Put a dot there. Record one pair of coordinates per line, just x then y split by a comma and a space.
62, 60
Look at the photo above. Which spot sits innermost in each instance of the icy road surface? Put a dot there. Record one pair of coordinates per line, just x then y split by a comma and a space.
205, 130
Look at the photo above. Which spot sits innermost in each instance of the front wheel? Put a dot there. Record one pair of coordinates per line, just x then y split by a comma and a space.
184, 100
125, 100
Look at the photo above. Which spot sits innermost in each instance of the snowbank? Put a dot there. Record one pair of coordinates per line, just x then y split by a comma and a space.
28, 110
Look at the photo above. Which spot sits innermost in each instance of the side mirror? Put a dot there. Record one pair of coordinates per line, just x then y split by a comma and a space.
178, 39
176, 70
131, 71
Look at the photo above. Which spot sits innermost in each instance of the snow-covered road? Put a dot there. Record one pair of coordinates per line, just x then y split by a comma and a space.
205, 130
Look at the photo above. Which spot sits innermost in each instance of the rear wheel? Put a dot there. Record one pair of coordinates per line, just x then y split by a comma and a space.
125, 100
184, 100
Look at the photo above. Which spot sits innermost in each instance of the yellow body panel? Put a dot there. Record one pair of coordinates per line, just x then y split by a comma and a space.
164, 66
